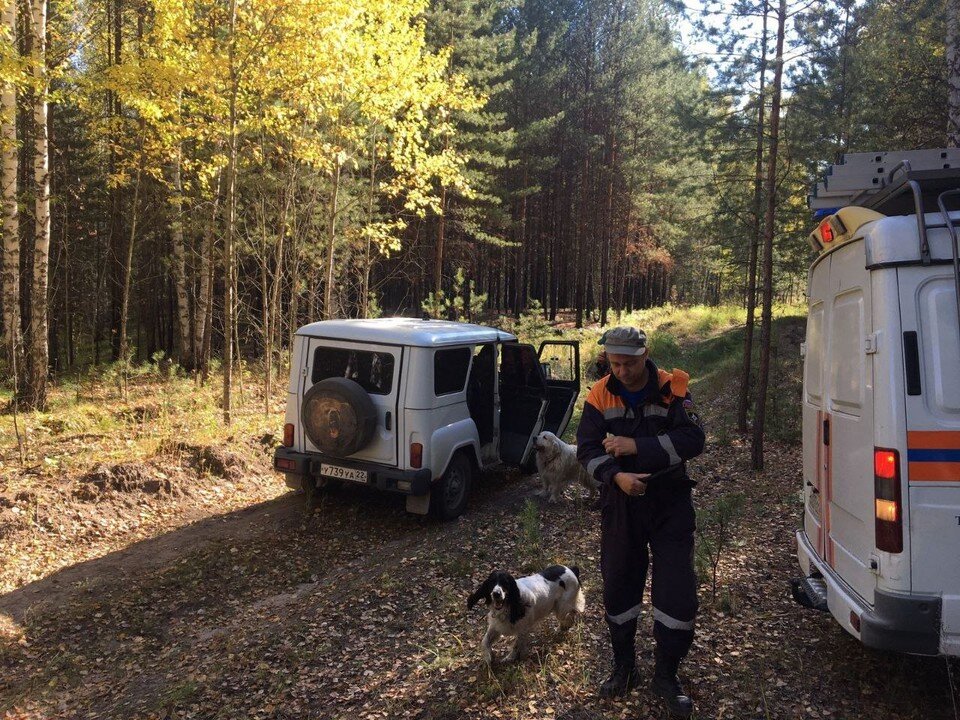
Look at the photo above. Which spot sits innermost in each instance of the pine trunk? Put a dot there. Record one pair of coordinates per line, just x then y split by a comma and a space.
769, 227
745, 384
953, 73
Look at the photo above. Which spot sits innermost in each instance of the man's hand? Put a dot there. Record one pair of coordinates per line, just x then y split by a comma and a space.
632, 484
618, 445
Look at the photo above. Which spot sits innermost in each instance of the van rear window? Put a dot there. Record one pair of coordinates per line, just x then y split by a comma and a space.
373, 371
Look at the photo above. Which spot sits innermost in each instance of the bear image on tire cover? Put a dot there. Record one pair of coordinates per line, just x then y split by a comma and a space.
338, 416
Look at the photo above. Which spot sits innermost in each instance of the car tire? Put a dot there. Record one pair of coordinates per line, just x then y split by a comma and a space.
449, 495
338, 416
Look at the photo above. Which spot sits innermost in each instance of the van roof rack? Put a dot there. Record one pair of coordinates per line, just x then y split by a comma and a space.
912, 182
859, 175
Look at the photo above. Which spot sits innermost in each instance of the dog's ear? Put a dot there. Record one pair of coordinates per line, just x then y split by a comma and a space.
517, 610
482, 592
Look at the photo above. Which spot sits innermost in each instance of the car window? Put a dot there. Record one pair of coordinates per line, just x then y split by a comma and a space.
373, 371
450, 370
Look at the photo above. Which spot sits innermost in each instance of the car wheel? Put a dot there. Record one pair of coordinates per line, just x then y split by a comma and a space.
338, 416
448, 498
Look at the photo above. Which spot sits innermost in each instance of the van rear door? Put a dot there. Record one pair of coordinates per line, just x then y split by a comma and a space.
931, 337
847, 432
815, 457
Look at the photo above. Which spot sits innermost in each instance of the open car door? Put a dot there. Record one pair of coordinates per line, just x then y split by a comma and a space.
523, 401
560, 362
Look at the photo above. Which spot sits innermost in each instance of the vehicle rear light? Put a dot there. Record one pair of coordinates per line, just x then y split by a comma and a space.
285, 464
416, 455
885, 464
887, 501
288, 435
855, 621
826, 231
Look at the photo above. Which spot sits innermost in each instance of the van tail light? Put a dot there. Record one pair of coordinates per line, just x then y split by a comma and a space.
887, 500
416, 455
288, 435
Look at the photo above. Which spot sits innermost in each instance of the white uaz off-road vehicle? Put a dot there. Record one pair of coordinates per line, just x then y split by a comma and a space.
419, 407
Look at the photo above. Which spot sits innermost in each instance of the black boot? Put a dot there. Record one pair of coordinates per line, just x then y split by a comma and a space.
622, 680
667, 686
624, 677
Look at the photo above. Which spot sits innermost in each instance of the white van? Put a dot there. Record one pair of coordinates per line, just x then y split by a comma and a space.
880, 543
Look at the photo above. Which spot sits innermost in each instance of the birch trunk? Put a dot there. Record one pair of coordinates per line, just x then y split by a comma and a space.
11, 220
200, 324
368, 256
180, 271
228, 279
331, 236
128, 259
36, 391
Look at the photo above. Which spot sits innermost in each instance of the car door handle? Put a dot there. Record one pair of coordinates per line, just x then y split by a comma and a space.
387, 420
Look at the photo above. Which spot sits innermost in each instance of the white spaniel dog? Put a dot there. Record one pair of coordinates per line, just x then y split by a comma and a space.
517, 606
558, 467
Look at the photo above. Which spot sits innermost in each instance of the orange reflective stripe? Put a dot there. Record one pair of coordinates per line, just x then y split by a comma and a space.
934, 471
933, 440
601, 398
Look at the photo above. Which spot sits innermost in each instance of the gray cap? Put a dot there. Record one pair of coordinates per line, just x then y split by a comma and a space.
624, 340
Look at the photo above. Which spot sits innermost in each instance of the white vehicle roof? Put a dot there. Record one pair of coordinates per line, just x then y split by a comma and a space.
405, 331
895, 240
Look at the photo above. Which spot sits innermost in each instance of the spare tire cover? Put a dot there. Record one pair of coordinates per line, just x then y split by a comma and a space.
338, 416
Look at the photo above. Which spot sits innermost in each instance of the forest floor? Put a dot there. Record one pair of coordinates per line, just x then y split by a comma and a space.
155, 567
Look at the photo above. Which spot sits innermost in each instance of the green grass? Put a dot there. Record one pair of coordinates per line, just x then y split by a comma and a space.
706, 342
91, 418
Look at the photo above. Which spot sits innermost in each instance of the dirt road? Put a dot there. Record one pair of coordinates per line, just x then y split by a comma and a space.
359, 611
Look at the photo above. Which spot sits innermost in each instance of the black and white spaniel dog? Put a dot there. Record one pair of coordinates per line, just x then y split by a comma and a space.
518, 605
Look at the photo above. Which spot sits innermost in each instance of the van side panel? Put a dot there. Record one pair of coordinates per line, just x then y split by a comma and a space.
849, 392
890, 420
928, 306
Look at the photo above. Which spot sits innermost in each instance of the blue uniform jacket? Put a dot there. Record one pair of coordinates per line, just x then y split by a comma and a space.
665, 433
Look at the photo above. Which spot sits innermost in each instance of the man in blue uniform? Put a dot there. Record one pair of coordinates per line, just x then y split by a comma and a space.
634, 438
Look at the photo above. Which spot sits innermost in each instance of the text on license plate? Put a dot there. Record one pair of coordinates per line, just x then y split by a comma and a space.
342, 473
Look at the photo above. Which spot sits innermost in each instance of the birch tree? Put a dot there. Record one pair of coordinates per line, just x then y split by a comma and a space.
36, 390
11, 224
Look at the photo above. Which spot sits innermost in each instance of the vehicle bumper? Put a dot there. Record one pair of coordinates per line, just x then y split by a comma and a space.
907, 623
298, 465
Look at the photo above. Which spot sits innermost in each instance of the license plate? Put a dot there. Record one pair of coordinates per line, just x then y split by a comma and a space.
342, 473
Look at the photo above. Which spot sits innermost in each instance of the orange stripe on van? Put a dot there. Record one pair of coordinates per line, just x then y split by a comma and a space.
933, 440
935, 471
